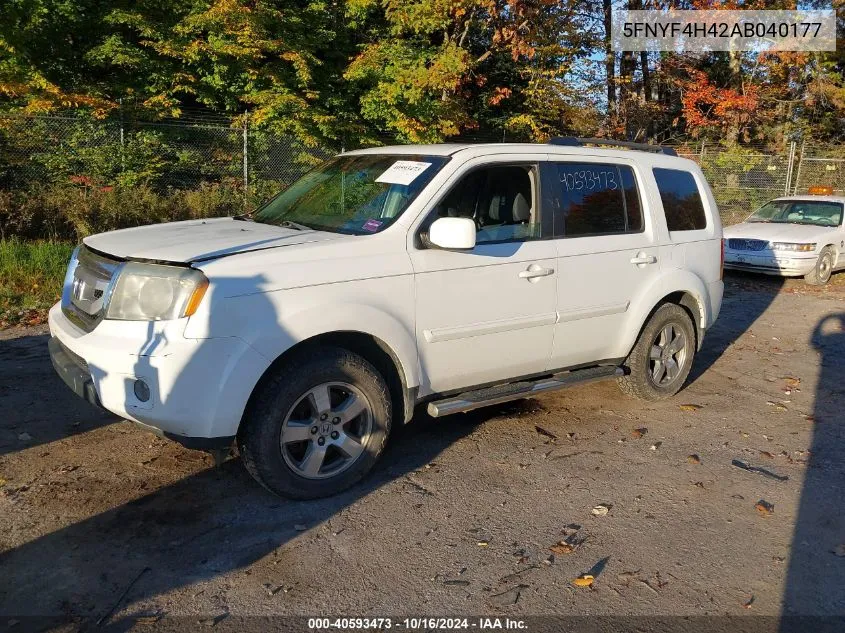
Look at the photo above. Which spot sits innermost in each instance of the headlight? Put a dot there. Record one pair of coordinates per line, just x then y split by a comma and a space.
792, 246
151, 292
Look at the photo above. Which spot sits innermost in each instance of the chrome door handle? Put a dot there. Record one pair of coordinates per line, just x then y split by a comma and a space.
534, 271
642, 258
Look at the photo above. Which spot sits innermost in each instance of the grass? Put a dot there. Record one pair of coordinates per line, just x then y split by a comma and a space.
31, 275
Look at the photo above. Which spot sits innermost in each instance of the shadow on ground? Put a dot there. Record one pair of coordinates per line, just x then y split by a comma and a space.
815, 582
221, 516
746, 298
31, 393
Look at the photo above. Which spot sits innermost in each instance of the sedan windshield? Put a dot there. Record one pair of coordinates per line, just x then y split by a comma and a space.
815, 212
358, 195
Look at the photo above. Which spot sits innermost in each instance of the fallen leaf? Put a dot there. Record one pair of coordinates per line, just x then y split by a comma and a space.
562, 548
791, 381
764, 507
584, 580
601, 510
2, 482
767, 454
693, 459
690, 407
638, 433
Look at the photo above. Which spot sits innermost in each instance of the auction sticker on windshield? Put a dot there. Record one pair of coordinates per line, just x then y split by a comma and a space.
403, 172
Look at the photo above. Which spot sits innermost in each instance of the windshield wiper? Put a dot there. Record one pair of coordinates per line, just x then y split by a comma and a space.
294, 225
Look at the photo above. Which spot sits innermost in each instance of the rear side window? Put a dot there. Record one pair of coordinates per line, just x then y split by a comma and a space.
593, 199
681, 200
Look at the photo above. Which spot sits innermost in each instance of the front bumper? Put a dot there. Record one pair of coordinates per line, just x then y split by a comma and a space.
73, 371
792, 265
198, 388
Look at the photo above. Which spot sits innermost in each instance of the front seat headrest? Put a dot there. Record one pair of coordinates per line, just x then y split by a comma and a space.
521, 209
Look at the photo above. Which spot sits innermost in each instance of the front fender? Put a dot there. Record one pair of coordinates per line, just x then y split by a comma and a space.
273, 322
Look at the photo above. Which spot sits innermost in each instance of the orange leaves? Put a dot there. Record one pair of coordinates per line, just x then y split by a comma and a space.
500, 93
705, 104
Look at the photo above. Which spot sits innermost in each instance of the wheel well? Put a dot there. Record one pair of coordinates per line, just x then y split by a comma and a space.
374, 350
688, 303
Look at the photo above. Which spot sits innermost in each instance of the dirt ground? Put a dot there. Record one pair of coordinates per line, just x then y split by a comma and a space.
100, 520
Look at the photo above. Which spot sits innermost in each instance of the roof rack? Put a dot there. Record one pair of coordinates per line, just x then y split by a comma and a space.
572, 141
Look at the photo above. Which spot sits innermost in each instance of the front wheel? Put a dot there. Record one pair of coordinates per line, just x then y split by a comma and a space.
823, 269
317, 425
662, 358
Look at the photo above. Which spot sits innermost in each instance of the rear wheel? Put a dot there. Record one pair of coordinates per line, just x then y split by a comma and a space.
662, 358
317, 425
823, 269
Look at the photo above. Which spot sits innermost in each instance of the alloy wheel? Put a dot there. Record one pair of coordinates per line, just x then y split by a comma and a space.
326, 430
667, 355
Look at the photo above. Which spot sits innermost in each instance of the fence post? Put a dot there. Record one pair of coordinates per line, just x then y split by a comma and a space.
246, 161
798, 172
790, 163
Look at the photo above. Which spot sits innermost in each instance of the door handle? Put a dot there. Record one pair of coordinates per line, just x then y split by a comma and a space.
533, 272
642, 259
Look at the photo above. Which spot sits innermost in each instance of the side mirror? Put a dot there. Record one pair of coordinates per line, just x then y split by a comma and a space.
452, 233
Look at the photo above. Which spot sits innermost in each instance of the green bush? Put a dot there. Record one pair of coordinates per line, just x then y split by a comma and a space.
61, 212
31, 275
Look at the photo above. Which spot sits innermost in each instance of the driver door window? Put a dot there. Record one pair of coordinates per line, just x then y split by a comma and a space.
500, 200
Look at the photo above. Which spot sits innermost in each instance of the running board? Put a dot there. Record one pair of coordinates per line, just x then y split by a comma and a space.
470, 400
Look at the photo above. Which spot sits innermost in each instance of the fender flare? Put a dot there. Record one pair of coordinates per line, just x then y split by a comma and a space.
672, 282
301, 326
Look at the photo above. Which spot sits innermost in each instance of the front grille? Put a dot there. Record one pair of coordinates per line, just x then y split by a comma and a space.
86, 289
747, 245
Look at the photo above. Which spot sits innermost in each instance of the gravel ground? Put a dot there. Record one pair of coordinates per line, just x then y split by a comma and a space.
99, 519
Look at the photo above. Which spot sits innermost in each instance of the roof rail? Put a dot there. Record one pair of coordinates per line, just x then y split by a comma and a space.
572, 141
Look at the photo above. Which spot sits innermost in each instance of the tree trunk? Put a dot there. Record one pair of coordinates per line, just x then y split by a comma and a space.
609, 59
646, 76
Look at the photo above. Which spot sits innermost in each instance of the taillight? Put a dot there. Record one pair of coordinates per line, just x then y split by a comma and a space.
722, 261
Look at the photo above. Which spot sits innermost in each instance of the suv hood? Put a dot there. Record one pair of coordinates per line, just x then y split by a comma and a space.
199, 240
777, 232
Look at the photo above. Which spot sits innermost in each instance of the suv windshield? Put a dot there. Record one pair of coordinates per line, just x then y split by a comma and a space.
358, 195
816, 212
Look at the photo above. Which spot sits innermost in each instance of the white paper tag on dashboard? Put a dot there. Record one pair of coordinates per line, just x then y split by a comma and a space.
403, 172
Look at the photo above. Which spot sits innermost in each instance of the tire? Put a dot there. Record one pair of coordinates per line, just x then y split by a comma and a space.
644, 379
823, 269
296, 440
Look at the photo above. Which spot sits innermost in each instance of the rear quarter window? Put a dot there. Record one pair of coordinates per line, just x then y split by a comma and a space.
681, 200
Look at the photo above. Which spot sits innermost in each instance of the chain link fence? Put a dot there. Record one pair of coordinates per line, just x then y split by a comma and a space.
163, 155
236, 167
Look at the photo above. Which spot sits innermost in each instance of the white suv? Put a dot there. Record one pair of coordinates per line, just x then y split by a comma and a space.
455, 275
